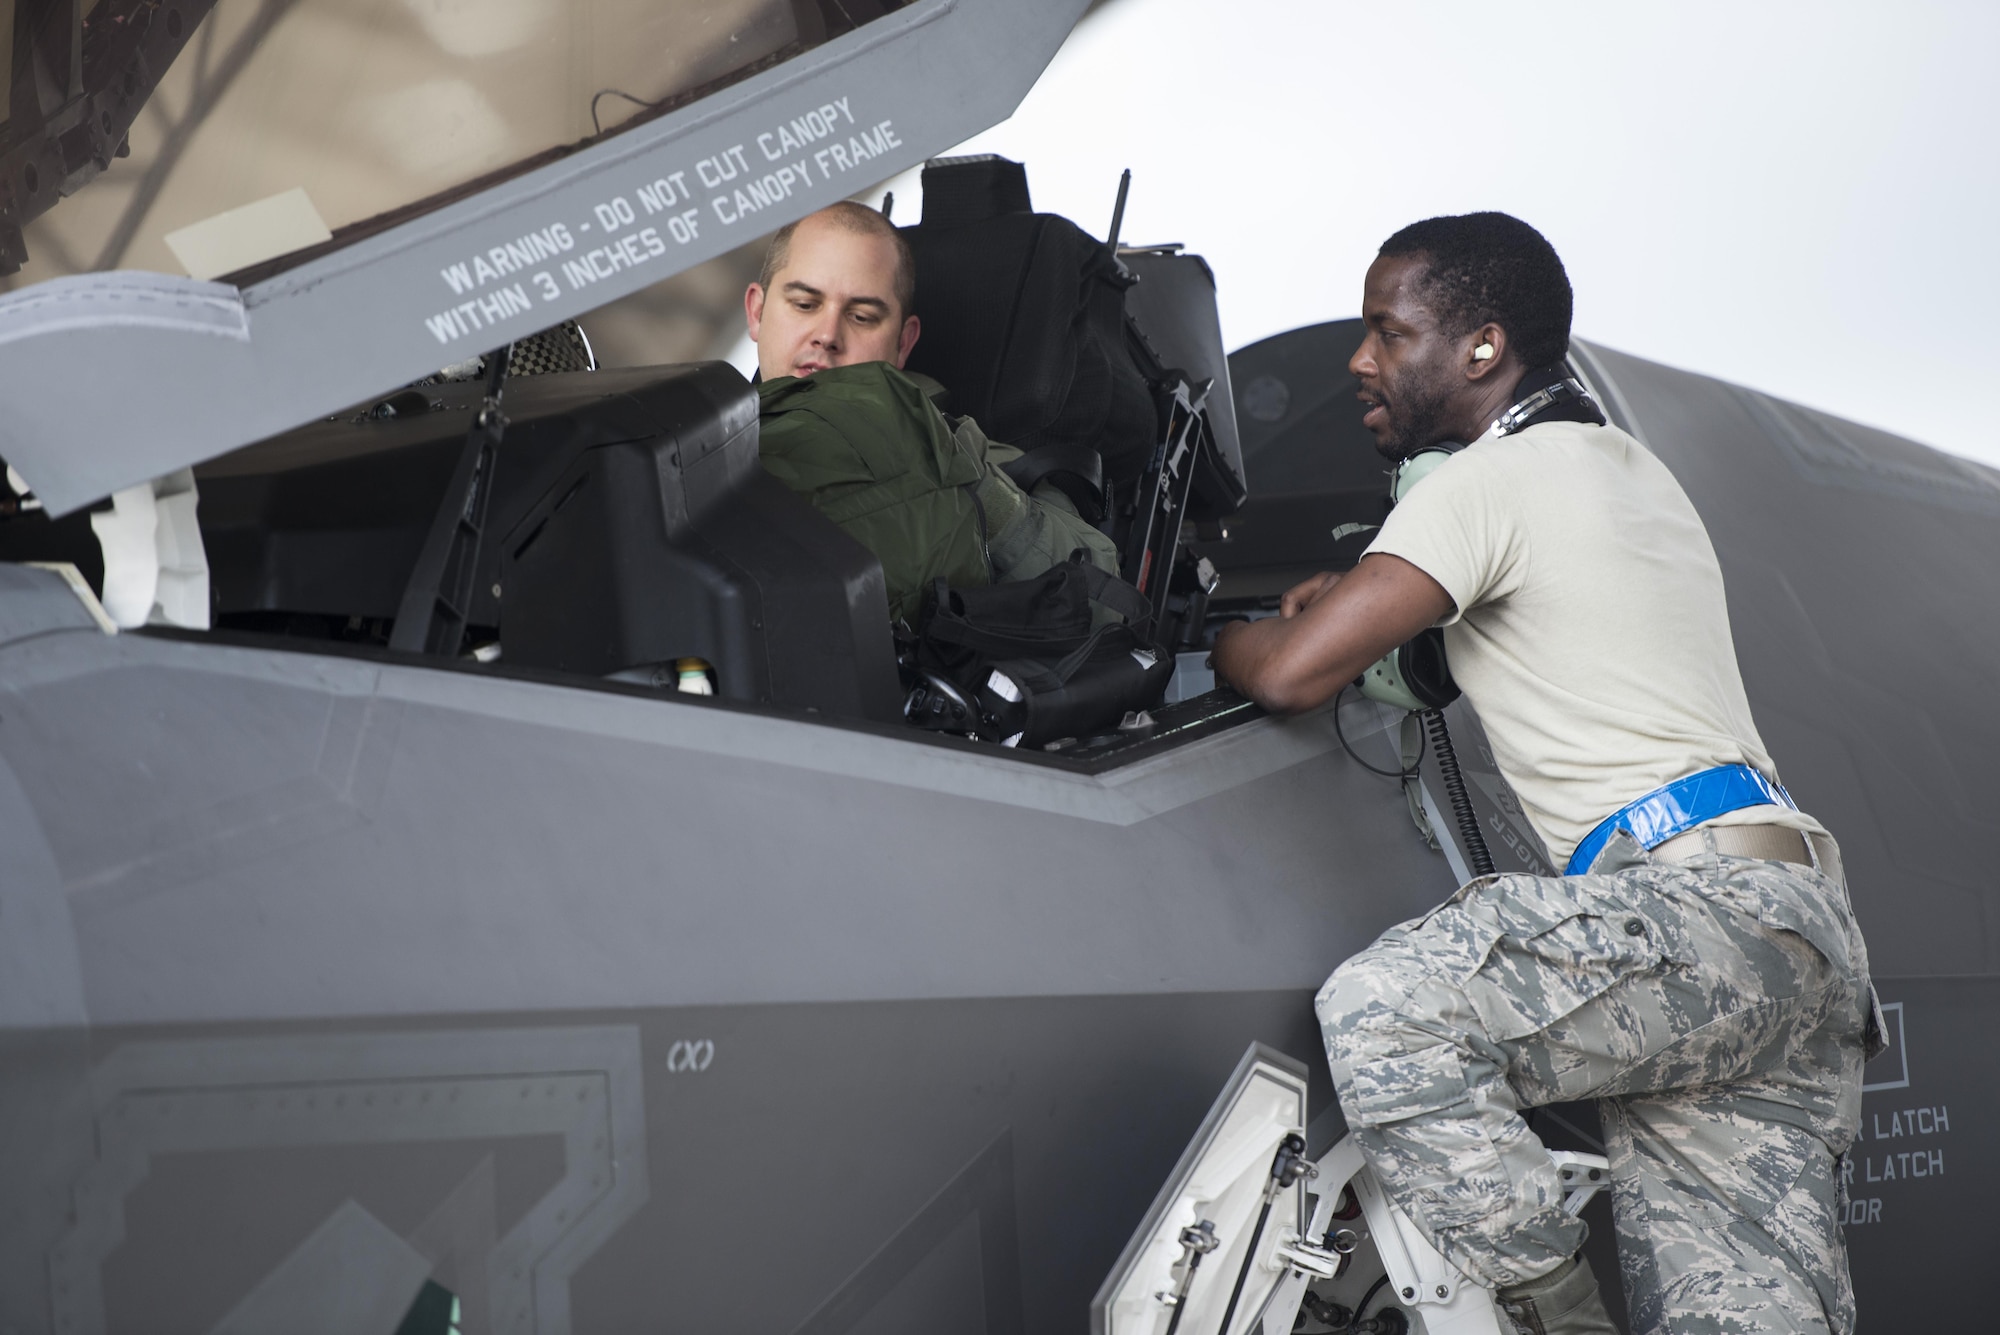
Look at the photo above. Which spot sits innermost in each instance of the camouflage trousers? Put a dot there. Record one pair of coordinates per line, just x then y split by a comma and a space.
1717, 1009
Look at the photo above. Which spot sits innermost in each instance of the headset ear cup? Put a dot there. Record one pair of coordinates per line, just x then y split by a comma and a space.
1426, 671
1414, 469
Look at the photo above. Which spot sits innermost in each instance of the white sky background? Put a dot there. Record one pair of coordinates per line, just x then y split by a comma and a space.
1803, 198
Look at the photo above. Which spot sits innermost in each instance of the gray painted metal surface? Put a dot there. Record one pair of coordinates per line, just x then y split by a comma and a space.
352, 1274
202, 368
950, 1013
581, 1086
658, 852
615, 1009
1854, 561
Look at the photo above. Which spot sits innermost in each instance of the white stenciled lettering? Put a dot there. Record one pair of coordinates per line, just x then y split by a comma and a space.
519, 257
724, 166
770, 189
1904, 1164
664, 193
685, 227
469, 316
1867, 1210
511, 257
801, 132
497, 305
690, 1055
615, 213
628, 251
869, 144
505, 303
1911, 1122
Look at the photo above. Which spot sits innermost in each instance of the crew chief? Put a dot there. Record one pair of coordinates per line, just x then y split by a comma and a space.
1701, 973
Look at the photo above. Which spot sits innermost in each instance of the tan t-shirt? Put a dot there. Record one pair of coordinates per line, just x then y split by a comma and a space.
1590, 631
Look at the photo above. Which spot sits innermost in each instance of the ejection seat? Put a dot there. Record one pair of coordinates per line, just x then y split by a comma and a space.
1105, 364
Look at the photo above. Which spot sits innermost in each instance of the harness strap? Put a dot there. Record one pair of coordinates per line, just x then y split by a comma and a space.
1122, 598
1077, 470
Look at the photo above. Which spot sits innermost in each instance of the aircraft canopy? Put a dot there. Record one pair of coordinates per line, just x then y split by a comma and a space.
345, 111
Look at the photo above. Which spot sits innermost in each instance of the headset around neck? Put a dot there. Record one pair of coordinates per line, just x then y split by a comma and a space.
1548, 395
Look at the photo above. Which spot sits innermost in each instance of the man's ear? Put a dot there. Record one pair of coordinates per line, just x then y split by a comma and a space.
753, 308
911, 328
1487, 350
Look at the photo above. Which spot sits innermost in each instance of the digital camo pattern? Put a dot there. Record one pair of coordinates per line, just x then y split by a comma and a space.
1719, 1009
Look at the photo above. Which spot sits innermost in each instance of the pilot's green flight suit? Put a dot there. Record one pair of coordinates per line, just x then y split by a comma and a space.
1715, 1003
924, 492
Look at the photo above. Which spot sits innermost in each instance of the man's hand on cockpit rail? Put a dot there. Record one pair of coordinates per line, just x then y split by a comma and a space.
1337, 627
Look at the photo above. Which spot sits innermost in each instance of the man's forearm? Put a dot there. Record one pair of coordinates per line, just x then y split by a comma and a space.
1261, 660
1290, 664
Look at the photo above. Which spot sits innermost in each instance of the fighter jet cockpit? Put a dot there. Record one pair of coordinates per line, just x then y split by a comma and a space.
481, 855
615, 529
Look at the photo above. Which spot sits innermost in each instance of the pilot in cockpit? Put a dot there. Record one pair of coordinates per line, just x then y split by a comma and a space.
844, 425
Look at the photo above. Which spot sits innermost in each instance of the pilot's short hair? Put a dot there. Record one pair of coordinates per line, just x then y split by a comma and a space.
1484, 268
852, 217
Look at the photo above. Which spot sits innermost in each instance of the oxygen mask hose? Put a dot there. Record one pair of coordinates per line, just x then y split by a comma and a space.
1454, 788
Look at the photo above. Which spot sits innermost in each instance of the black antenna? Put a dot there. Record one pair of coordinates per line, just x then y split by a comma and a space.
1118, 213
888, 202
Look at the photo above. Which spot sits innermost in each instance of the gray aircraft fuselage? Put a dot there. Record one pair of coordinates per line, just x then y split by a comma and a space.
604, 1008
338, 985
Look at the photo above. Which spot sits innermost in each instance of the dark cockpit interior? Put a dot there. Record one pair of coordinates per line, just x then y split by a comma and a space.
619, 526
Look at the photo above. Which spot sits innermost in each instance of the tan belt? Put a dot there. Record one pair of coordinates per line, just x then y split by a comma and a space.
1766, 843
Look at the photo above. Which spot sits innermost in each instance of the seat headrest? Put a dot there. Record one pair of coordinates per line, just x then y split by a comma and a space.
973, 189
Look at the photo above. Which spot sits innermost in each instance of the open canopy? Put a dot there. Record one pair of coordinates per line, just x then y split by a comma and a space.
383, 187
371, 109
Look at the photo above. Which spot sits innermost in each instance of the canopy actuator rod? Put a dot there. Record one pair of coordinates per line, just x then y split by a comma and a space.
438, 599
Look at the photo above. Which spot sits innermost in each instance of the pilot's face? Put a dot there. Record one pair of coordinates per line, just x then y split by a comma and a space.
833, 303
1408, 369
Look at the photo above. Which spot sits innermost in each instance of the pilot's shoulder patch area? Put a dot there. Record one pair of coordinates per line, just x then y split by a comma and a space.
862, 423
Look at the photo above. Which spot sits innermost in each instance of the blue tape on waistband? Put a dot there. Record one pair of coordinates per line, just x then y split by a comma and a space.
1679, 807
